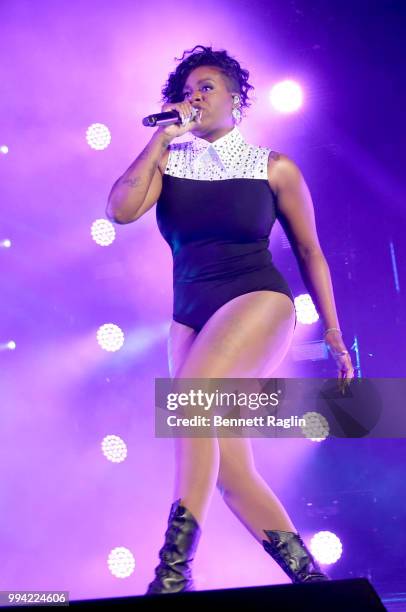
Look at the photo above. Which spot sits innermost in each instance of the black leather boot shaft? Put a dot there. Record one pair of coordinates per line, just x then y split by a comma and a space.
289, 551
173, 574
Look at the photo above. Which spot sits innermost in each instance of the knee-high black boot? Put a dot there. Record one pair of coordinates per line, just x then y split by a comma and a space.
289, 551
173, 574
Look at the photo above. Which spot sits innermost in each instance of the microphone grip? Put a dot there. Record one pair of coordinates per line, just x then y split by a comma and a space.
166, 118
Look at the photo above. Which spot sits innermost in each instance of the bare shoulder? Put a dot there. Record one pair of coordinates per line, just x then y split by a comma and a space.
282, 171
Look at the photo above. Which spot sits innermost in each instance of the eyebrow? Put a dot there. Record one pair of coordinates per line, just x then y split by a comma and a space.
200, 81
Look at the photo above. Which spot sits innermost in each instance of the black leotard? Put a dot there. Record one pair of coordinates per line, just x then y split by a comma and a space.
218, 229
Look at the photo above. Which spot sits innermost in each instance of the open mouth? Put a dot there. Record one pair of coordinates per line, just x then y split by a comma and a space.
199, 115
200, 111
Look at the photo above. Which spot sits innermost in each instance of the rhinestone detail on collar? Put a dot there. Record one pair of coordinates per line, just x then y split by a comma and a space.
230, 156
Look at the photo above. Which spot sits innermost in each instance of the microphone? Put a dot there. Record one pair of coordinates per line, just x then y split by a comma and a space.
166, 118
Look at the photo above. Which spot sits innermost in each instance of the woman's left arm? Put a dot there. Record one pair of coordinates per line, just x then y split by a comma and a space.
295, 211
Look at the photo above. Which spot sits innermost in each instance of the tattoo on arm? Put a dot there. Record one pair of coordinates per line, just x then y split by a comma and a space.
134, 182
148, 172
137, 181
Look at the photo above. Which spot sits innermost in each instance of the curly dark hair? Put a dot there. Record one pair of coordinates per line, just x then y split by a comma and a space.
236, 77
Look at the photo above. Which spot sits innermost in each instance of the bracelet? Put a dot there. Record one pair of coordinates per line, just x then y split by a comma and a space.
338, 353
333, 329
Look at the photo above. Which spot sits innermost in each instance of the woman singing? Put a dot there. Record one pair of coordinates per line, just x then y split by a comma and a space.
217, 199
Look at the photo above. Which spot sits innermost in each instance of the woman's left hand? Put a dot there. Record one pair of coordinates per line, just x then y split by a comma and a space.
345, 369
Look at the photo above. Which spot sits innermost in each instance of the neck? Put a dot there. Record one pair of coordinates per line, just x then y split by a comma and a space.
212, 135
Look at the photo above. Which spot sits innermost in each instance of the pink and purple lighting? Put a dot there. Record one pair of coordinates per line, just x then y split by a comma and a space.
84, 330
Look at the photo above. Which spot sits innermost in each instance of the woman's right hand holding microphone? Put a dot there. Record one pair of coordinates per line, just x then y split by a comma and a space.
185, 110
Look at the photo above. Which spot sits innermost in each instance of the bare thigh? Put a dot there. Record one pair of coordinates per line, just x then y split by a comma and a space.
248, 336
236, 455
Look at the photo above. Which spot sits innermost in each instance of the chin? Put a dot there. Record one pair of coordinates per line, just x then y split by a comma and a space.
201, 127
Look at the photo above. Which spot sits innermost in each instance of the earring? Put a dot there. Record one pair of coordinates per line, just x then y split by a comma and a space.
236, 113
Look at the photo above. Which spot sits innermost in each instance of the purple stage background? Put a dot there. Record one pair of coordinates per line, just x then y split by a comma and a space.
66, 65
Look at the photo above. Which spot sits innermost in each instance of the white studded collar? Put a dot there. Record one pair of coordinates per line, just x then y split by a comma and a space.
230, 156
219, 151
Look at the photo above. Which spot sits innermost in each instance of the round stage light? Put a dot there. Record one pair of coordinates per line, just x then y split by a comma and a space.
305, 309
103, 232
286, 96
110, 337
98, 136
114, 448
316, 428
326, 547
121, 562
